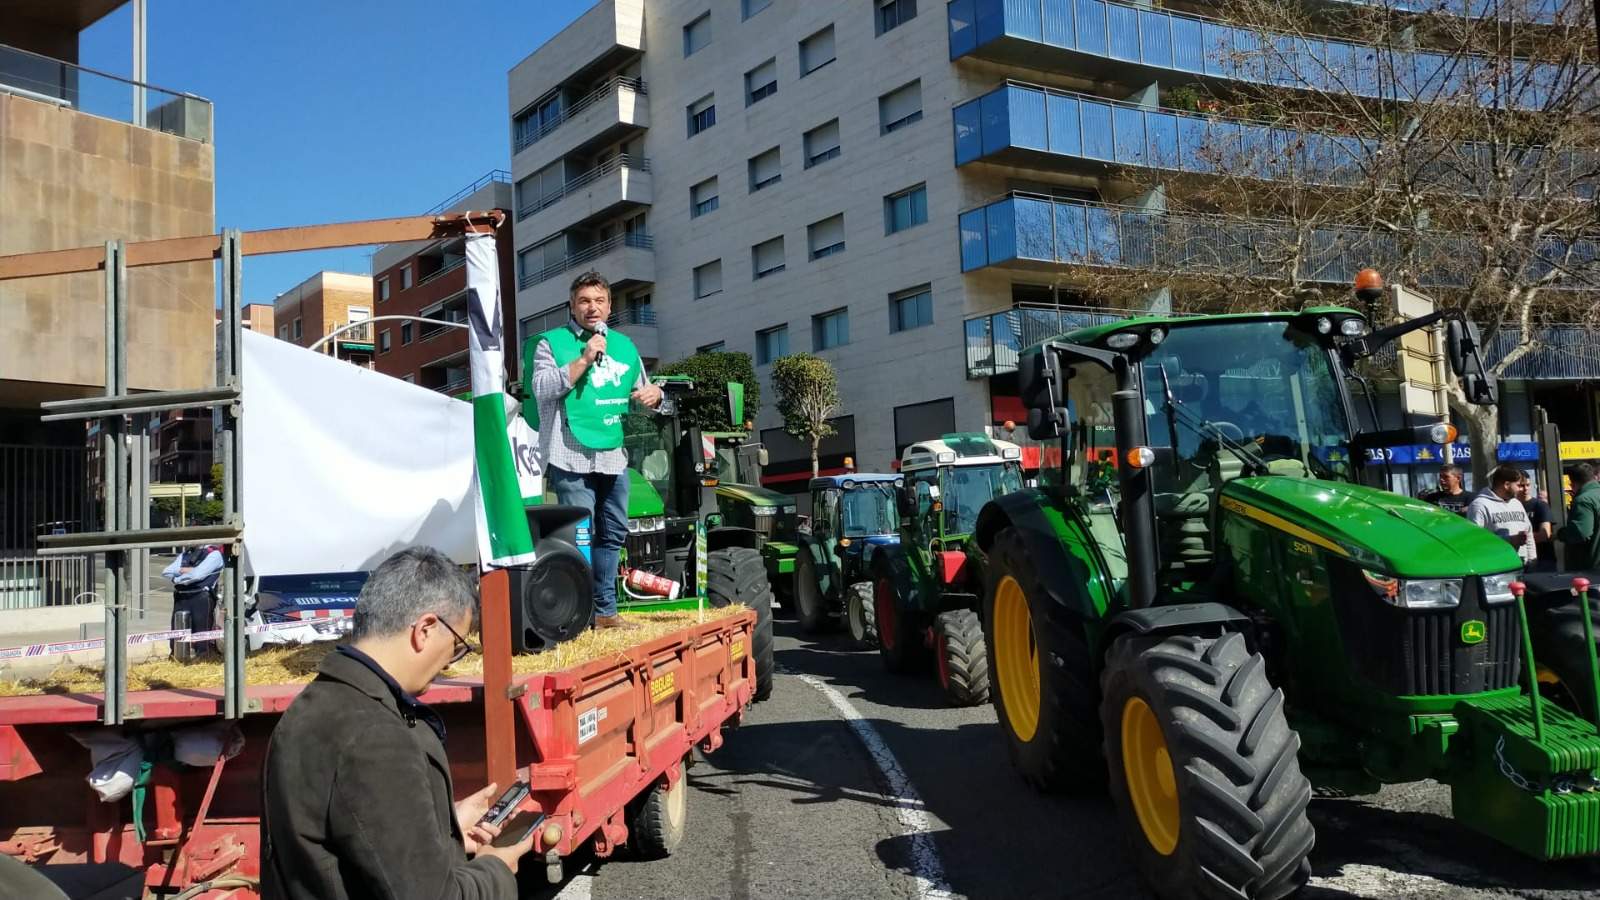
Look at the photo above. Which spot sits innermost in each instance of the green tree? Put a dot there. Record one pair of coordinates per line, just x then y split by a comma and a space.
707, 405
808, 398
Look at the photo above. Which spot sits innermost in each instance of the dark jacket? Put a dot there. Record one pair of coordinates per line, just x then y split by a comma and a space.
358, 801
1582, 531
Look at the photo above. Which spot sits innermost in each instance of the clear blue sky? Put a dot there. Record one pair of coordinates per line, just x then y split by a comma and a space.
335, 111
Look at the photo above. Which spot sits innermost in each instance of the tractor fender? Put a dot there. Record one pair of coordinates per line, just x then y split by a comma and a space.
813, 548
1207, 619
1063, 556
890, 562
731, 536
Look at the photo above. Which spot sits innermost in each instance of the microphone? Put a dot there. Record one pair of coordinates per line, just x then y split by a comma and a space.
600, 327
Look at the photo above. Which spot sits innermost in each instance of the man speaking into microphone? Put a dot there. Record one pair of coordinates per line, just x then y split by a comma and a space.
581, 377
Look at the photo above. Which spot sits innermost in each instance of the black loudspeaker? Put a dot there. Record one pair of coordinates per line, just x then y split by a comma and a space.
553, 599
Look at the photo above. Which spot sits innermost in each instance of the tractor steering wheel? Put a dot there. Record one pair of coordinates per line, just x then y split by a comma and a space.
1224, 427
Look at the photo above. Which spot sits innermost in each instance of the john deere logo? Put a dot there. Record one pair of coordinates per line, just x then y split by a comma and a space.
1473, 631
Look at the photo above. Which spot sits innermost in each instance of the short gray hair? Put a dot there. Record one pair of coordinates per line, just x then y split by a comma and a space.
409, 585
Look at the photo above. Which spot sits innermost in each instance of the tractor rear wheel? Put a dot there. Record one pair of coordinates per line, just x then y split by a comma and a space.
810, 606
738, 575
861, 614
899, 630
1204, 768
656, 822
1043, 676
1559, 646
958, 651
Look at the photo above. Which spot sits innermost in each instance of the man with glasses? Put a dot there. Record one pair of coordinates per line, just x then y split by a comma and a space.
358, 796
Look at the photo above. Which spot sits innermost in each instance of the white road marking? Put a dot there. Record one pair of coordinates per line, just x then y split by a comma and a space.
926, 869
578, 887
1365, 880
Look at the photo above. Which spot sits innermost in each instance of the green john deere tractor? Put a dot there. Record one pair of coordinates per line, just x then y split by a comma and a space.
743, 503
852, 517
926, 588
670, 534
1205, 606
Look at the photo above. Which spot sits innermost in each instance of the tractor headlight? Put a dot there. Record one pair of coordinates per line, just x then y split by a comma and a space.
1419, 593
1497, 588
645, 524
764, 510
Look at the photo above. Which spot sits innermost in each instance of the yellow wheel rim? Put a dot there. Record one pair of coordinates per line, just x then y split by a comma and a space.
1152, 786
1547, 676
1016, 656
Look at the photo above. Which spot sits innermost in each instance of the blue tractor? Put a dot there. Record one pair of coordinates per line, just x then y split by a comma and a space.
852, 517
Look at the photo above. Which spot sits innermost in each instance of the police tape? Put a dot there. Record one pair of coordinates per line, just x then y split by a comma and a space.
177, 636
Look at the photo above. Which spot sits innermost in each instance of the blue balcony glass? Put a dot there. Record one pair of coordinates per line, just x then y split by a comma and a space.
1152, 43
1029, 231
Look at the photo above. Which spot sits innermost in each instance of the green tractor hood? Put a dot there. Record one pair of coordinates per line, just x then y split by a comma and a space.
643, 498
753, 495
1382, 531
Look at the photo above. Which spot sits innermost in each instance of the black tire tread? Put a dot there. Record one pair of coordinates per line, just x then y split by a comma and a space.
966, 658
739, 575
1243, 831
869, 612
1558, 644
650, 831
818, 620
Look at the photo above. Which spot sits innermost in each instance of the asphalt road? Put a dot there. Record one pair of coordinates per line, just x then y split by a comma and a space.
796, 804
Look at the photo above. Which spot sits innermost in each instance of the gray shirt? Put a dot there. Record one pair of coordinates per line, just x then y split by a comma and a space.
557, 445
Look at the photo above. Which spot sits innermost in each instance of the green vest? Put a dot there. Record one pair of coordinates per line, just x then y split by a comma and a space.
596, 404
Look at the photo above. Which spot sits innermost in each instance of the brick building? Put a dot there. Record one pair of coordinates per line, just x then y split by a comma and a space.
322, 304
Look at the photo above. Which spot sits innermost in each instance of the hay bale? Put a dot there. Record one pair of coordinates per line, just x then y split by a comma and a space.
298, 664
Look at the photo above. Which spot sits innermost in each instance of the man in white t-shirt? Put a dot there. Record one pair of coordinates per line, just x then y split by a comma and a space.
1498, 509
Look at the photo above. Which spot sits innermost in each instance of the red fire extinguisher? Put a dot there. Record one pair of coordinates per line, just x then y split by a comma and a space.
650, 583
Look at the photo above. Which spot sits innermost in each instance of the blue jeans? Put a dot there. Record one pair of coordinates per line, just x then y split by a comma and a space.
606, 499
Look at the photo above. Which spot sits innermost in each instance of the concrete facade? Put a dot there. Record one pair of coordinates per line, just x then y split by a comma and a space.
322, 303
879, 370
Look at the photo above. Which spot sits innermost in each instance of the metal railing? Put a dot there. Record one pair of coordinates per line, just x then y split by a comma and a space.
633, 315
442, 270
455, 387
456, 315
50, 80
30, 582
588, 254
359, 334
622, 161
526, 137
494, 175
995, 341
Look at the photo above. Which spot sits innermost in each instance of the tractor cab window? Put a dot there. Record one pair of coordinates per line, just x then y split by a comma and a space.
869, 509
966, 489
825, 512
727, 464
924, 486
1090, 461
648, 448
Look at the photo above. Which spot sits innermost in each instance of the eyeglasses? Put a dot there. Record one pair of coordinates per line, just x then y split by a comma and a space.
463, 647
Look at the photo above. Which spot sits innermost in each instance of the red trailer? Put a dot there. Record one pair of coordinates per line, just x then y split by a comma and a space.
596, 743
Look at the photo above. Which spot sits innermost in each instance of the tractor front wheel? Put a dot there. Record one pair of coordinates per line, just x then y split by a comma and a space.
861, 614
810, 606
958, 650
1560, 646
1043, 676
657, 821
1204, 768
899, 630
738, 575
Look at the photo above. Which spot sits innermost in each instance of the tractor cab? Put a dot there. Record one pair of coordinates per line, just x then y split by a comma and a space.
948, 481
855, 509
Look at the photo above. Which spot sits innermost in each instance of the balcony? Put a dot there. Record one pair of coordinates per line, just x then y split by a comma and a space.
361, 334
995, 340
1032, 232
601, 40
615, 106
69, 86
618, 182
1122, 41
1025, 124
639, 323
626, 260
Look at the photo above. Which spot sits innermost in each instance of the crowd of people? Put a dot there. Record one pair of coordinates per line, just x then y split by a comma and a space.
1509, 507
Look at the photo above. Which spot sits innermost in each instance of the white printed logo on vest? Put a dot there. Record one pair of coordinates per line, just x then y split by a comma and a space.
607, 372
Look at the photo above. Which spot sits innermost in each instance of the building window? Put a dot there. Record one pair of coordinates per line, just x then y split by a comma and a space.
830, 329
894, 13
910, 308
703, 197
822, 143
751, 7
708, 279
299, 330
405, 333
826, 238
771, 344
537, 120
383, 289
542, 259
702, 114
816, 51
697, 34
383, 341
761, 82
766, 258
405, 276
905, 209
766, 170
283, 332
717, 347
922, 421
541, 189
900, 107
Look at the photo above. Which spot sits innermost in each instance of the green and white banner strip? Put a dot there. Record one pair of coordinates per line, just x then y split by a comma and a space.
503, 537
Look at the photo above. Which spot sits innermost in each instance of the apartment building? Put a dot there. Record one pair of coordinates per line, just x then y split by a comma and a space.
428, 280
912, 189
324, 304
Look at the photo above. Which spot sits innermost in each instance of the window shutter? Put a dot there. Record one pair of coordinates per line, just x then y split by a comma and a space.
899, 103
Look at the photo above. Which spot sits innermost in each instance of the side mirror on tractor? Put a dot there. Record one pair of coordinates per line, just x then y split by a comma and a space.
1041, 389
1463, 350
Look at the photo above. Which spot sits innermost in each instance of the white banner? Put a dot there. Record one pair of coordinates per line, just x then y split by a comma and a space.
343, 466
